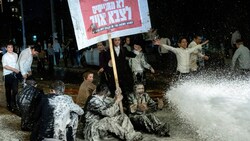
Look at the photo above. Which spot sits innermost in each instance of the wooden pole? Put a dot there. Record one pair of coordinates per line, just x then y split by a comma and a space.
114, 68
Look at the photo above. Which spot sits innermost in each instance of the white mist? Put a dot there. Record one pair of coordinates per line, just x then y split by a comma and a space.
217, 108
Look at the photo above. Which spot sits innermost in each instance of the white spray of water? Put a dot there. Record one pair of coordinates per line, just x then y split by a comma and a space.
219, 110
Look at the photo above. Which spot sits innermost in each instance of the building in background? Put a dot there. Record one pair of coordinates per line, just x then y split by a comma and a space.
10, 25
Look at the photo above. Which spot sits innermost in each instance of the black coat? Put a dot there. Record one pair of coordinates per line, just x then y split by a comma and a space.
123, 70
27, 102
53, 114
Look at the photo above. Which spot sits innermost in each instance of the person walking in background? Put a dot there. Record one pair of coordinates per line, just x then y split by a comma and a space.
10, 71
51, 57
57, 50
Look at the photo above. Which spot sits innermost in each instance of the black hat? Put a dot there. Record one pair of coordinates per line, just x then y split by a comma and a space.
138, 42
239, 41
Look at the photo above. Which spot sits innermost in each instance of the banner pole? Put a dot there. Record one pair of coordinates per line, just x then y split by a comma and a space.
114, 68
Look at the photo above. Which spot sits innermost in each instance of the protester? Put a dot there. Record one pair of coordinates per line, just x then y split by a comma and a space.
57, 116
86, 89
10, 71
138, 65
123, 70
197, 53
102, 118
242, 55
27, 102
25, 60
127, 44
182, 54
140, 106
103, 63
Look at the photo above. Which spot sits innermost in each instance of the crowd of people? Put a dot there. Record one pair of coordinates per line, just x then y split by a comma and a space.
105, 109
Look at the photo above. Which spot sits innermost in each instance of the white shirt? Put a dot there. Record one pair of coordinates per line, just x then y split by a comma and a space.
164, 41
57, 47
242, 54
183, 57
194, 56
9, 59
138, 63
24, 61
117, 50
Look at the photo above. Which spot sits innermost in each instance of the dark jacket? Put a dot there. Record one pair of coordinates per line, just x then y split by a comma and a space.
27, 102
123, 70
54, 117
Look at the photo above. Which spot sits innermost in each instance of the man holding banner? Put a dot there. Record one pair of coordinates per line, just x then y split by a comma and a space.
122, 67
98, 20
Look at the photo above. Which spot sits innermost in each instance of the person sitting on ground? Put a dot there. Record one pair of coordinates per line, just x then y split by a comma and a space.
138, 65
27, 102
86, 89
57, 116
140, 105
102, 117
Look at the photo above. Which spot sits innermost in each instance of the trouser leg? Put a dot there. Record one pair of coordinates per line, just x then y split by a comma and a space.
8, 90
14, 88
120, 126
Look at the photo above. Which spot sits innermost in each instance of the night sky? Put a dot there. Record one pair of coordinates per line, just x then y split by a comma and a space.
212, 18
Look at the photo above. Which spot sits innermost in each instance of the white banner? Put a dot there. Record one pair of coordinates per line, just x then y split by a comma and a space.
94, 19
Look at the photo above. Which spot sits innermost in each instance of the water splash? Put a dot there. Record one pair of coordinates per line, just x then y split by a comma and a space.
218, 108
